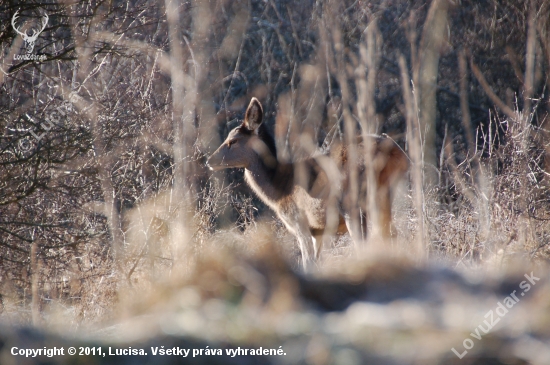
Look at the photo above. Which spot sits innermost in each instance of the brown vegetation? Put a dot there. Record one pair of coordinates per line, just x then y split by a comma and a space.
107, 210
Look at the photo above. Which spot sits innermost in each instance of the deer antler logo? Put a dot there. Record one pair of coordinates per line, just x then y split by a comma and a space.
29, 39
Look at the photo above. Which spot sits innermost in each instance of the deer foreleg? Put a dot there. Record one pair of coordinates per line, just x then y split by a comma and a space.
297, 225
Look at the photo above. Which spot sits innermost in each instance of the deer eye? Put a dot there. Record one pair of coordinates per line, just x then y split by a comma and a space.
230, 143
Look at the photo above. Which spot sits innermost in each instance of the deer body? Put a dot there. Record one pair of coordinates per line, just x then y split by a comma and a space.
301, 193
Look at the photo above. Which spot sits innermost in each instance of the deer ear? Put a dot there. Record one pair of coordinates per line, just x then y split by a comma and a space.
254, 115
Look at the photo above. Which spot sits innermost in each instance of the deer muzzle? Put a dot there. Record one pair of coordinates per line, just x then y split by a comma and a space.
215, 163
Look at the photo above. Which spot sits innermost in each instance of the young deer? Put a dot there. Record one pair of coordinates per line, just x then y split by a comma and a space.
301, 193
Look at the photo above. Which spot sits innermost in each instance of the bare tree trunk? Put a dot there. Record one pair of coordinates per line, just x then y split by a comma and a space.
35, 272
83, 70
414, 145
369, 125
178, 77
433, 36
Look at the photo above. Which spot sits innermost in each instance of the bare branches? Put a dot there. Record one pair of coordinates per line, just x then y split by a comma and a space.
487, 88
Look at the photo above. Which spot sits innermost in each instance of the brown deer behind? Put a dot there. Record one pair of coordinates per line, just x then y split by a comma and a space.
301, 193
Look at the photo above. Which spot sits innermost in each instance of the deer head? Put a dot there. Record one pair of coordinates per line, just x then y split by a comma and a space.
244, 144
29, 39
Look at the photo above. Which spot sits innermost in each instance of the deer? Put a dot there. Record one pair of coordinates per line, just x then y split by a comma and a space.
301, 193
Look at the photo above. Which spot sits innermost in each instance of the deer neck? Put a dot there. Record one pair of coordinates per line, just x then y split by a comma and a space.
271, 184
